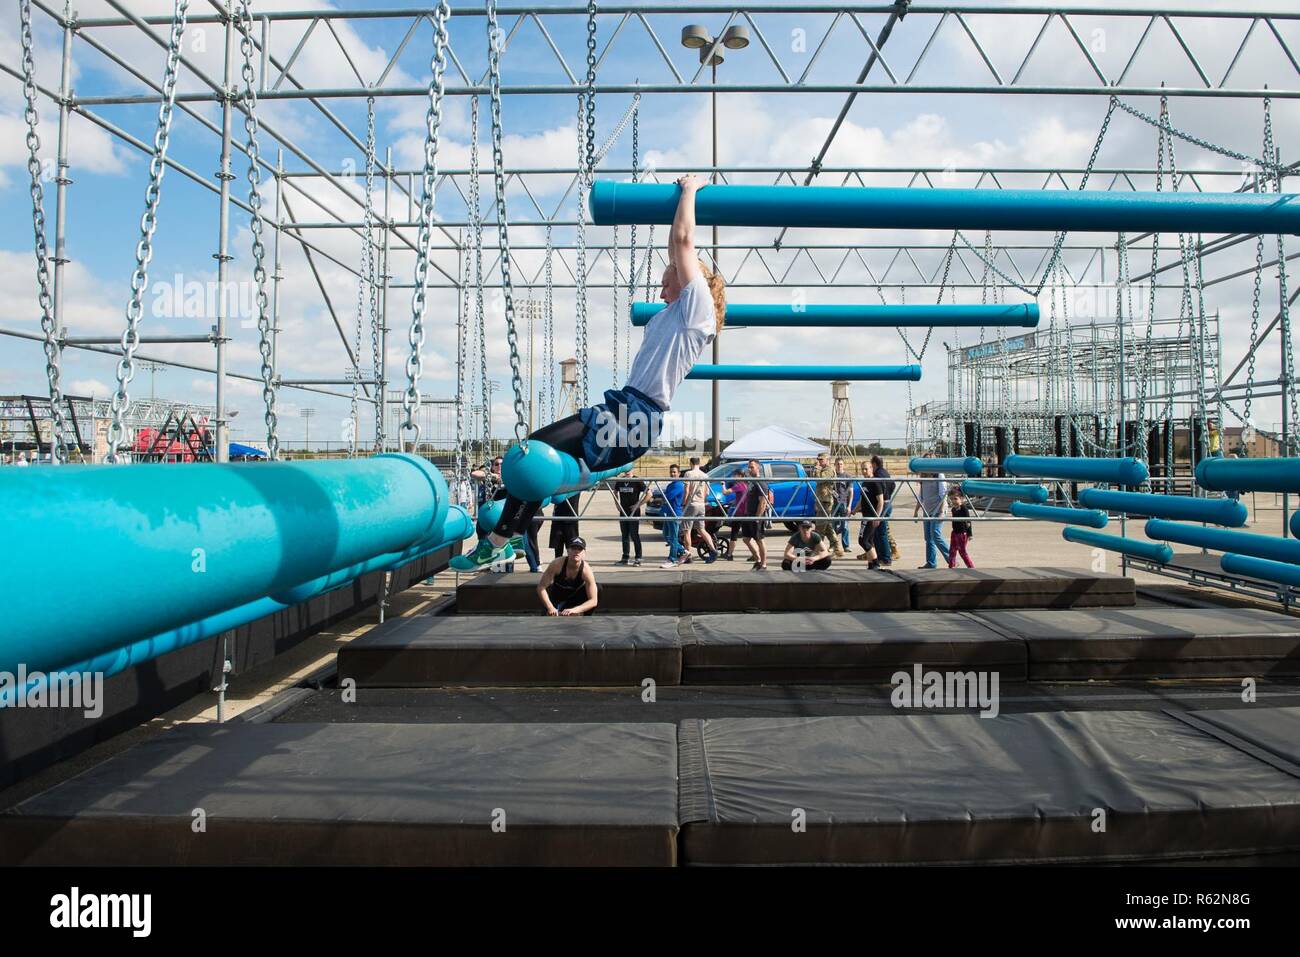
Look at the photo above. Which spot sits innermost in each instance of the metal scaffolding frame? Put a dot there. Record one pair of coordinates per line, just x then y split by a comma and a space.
752, 263
1084, 373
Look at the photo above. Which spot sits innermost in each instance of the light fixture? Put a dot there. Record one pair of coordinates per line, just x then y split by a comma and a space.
736, 37
695, 36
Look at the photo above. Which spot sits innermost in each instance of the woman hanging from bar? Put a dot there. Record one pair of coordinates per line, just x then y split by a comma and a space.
626, 425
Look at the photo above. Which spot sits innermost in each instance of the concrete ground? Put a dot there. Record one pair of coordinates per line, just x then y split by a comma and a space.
999, 542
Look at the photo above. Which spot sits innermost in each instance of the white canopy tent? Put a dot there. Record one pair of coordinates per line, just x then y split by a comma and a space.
772, 442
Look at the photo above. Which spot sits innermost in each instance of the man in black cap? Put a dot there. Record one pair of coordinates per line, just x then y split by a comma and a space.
568, 586
806, 549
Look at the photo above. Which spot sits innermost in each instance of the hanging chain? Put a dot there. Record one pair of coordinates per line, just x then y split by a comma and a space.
148, 223
429, 177
462, 318
365, 279
1166, 128
632, 273
248, 100
373, 265
481, 387
580, 253
1284, 307
587, 171
617, 317
1059, 240
503, 236
44, 296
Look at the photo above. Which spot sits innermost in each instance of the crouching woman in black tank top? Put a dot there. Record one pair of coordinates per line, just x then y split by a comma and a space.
568, 586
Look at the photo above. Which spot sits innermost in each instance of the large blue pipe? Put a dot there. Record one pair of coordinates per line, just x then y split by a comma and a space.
1249, 475
970, 465
1117, 543
1023, 493
1067, 516
457, 527
1221, 540
1282, 572
844, 316
1126, 471
909, 373
1220, 511
627, 204
169, 545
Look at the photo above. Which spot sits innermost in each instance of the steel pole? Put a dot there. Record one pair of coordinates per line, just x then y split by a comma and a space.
61, 182
717, 339
222, 450
382, 372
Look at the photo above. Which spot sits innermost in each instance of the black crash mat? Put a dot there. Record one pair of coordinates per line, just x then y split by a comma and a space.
645, 592
961, 788
797, 647
1275, 731
979, 588
1153, 642
502, 650
406, 794
707, 588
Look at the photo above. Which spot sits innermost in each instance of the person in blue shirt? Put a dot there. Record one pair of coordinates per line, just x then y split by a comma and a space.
673, 498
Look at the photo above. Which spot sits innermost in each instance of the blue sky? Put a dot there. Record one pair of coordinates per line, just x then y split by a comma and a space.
905, 129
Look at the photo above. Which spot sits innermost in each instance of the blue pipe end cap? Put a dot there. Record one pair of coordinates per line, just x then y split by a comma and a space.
1133, 472
489, 514
1294, 523
533, 475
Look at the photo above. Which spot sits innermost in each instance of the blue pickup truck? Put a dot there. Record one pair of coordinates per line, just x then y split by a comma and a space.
789, 496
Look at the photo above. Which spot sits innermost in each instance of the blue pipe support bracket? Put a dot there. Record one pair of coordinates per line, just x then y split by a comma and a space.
1221, 540
867, 207
457, 526
1151, 551
1249, 475
1125, 471
1023, 493
175, 544
1294, 523
906, 373
543, 472
1281, 572
1066, 516
837, 316
1220, 511
970, 465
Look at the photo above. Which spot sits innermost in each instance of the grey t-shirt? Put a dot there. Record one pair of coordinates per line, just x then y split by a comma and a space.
674, 339
933, 491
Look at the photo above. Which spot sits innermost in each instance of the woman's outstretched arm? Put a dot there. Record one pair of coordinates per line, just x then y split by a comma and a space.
681, 241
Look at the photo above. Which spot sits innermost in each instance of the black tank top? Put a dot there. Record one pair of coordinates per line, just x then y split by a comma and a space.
565, 591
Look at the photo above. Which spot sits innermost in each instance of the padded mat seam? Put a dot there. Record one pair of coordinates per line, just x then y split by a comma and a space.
991, 626
1233, 741
693, 775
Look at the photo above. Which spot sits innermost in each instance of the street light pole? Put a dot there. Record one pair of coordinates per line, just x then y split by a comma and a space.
697, 37
717, 339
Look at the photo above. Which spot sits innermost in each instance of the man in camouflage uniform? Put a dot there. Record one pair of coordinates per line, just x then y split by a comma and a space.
825, 492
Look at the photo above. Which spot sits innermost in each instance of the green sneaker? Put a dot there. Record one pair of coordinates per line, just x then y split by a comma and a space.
517, 543
485, 553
